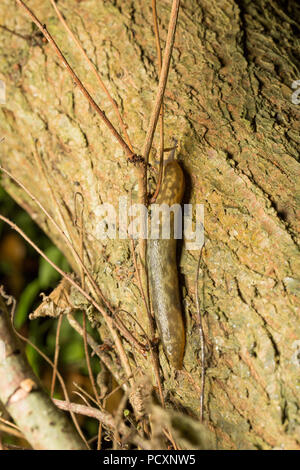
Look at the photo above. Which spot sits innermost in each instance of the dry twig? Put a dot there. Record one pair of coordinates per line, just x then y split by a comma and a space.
78, 82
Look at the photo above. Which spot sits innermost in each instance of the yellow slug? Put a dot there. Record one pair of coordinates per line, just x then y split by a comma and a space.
163, 273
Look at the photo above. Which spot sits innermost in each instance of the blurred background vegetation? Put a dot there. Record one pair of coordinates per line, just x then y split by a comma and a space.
25, 275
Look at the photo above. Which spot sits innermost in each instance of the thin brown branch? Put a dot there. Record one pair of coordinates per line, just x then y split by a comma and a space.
142, 169
84, 393
109, 320
129, 336
85, 343
153, 352
94, 346
118, 420
121, 141
8, 423
48, 184
60, 378
87, 357
161, 116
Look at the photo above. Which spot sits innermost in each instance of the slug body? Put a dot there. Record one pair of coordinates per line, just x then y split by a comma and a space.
163, 273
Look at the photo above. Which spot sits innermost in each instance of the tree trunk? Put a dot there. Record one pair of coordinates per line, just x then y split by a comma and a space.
229, 104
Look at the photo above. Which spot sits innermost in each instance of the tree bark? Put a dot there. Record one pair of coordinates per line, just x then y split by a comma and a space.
229, 104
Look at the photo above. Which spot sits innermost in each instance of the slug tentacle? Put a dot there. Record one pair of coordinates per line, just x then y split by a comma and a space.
163, 273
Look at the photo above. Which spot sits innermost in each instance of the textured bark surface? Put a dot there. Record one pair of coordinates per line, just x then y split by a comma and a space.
229, 104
